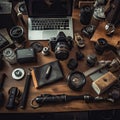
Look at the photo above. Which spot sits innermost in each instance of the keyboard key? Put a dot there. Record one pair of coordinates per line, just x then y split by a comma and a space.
48, 24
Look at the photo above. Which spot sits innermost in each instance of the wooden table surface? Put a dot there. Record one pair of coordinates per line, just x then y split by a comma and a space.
60, 87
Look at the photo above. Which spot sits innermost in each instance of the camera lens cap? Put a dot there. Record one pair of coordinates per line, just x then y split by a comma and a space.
76, 80
91, 60
16, 31
37, 46
72, 64
18, 73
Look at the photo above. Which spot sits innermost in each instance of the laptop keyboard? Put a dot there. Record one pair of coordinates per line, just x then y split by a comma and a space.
50, 24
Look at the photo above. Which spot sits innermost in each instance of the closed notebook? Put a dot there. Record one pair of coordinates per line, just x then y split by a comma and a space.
39, 74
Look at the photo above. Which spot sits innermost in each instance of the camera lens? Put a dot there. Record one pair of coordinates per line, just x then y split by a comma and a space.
22, 8
100, 45
85, 15
16, 33
61, 51
102, 42
76, 80
9, 55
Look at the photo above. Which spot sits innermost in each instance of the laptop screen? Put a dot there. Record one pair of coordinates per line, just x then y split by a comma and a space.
49, 8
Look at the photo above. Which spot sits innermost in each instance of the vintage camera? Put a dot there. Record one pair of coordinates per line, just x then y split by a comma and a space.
61, 45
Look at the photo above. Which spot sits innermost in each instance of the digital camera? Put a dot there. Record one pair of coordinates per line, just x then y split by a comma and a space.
61, 45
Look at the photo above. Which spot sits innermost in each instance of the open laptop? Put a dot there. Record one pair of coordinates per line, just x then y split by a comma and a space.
46, 18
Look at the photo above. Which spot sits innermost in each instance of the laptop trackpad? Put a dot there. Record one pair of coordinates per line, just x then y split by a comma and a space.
49, 34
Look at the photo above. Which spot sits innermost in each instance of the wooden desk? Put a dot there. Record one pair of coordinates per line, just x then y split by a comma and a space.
112, 40
59, 87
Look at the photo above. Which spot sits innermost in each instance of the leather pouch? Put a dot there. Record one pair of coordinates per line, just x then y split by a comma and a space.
39, 74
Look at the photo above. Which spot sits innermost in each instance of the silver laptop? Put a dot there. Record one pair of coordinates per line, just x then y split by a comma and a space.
46, 18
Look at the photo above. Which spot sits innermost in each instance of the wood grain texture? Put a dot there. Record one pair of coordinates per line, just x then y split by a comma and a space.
60, 87
101, 33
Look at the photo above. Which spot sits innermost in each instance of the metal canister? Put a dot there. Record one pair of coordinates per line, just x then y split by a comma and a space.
9, 55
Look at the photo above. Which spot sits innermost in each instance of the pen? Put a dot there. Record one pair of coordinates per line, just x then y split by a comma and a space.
48, 72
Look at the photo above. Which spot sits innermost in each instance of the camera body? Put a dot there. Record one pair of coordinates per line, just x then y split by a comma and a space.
61, 45
26, 55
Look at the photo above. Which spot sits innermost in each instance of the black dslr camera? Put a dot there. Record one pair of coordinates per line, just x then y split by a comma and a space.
61, 45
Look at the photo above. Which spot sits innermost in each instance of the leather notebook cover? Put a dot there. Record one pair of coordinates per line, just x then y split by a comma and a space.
39, 74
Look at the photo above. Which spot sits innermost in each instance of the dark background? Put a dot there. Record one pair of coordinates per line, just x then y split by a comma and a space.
83, 115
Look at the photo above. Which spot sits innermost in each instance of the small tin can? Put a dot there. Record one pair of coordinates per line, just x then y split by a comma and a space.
9, 55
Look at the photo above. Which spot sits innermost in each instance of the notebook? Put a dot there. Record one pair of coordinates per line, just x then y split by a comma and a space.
46, 18
39, 74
